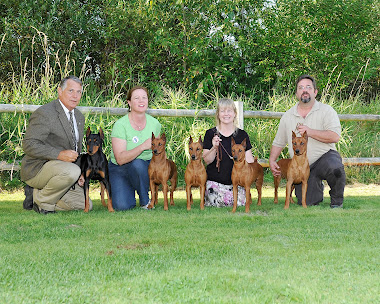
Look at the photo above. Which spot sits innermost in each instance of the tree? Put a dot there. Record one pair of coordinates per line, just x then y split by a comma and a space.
326, 38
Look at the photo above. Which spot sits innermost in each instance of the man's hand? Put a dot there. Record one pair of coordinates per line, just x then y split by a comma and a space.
274, 154
81, 180
274, 167
325, 136
303, 128
68, 156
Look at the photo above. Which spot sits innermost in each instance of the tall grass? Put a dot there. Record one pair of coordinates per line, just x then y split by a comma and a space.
359, 139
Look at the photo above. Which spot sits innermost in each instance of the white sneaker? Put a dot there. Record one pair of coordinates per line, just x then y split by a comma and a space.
146, 206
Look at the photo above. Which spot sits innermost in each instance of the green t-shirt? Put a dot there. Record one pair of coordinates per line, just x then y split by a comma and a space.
122, 129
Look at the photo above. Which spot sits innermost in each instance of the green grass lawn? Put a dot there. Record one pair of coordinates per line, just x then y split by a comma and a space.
313, 255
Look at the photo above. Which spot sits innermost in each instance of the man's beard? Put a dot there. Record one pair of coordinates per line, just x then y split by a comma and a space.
305, 99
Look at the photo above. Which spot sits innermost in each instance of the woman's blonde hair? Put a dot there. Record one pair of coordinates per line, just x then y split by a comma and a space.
225, 103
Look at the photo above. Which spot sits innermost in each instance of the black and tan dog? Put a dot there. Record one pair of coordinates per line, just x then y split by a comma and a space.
94, 166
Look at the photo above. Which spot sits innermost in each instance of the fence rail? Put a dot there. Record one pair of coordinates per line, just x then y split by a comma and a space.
26, 108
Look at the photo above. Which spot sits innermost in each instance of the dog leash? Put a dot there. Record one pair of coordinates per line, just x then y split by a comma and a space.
218, 157
219, 153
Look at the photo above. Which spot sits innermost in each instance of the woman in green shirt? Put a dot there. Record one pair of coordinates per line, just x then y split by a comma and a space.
131, 152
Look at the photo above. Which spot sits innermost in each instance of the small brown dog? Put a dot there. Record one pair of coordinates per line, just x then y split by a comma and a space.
295, 170
195, 174
244, 174
161, 170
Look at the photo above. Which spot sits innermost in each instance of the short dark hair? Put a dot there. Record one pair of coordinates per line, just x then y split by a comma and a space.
63, 82
305, 76
138, 87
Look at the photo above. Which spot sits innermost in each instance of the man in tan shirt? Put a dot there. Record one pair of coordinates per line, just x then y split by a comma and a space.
321, 122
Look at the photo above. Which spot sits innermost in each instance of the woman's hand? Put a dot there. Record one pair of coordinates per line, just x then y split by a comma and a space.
215, 141
122, 156
209, 155
146, 145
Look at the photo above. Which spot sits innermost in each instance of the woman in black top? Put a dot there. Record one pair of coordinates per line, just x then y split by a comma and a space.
219, 185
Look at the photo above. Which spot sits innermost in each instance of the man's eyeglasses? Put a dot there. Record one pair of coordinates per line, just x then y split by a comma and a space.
308, 87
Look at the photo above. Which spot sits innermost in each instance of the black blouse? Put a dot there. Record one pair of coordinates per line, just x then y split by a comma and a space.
226, 164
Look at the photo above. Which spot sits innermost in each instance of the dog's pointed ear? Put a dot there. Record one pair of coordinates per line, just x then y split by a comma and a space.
244, 143
293, 135
153, 136
101, 133
88, 132
232, 142
200, 141
305, 135
190, 140
163, 137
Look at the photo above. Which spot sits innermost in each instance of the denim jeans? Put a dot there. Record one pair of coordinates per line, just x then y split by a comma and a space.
126, 180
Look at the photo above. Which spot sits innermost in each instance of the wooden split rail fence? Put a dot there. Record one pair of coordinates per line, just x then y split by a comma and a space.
25, 108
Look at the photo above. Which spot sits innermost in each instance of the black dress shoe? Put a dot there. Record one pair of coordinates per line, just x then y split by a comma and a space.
28, 201
40, 210
36, 208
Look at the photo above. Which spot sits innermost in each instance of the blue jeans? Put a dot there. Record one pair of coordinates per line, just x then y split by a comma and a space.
125, 180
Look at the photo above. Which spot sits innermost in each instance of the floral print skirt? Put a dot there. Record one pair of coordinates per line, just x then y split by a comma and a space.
220, 195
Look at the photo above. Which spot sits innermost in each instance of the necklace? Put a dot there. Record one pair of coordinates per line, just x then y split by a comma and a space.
136, 125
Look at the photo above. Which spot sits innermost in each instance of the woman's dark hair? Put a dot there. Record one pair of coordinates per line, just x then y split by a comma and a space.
129, 94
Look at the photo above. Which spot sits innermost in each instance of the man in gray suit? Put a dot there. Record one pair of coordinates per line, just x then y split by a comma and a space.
52, 144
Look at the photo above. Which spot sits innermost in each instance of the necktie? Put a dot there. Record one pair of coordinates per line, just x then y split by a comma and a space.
74, 138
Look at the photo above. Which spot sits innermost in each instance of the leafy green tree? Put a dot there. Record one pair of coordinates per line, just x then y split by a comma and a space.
234, 47
73, 31
205, 45
331, 39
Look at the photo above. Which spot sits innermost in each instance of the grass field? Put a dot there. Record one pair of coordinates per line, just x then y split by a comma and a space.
313, 255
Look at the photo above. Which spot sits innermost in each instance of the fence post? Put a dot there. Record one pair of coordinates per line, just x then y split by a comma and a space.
240, 114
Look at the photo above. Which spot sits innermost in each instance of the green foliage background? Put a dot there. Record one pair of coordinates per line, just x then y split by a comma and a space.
236, 47
189, 53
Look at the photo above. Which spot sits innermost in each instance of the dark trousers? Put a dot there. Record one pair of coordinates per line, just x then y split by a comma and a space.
328, 167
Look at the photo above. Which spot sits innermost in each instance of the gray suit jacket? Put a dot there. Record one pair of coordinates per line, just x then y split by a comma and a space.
48, 134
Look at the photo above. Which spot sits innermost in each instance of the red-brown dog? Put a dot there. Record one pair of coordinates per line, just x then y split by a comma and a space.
161, 170
295, 170
244, 174
195, 174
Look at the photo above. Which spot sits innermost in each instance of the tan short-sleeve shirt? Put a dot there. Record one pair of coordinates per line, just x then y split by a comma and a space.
321, 117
